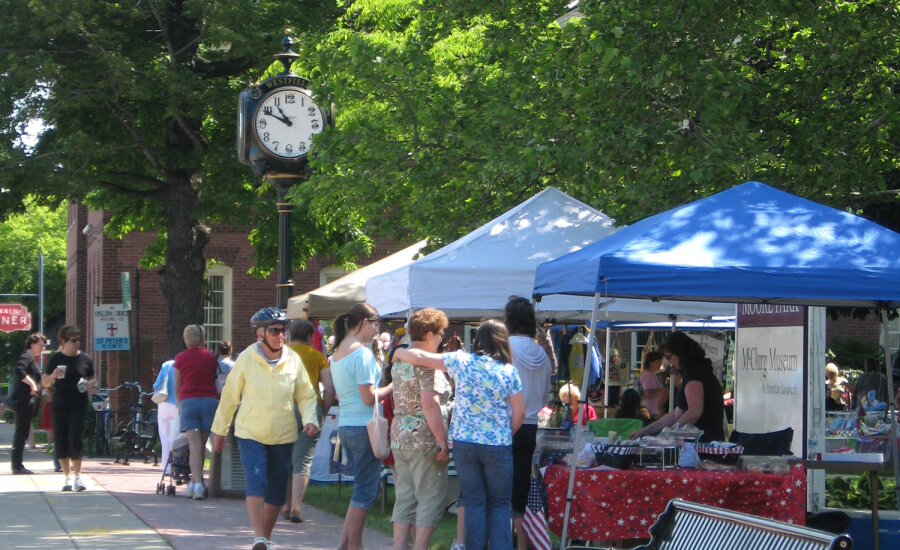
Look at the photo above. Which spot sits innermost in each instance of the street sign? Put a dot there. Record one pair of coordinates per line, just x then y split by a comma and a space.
14, 317
126, 291
110, 328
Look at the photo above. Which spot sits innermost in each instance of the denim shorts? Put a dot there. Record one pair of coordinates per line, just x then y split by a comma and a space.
305, 446
366, 469
197, 413
267, 469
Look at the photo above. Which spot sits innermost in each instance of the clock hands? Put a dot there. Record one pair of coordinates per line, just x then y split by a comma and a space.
283, 118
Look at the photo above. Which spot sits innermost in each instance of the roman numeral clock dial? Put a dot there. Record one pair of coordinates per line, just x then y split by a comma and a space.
285, 122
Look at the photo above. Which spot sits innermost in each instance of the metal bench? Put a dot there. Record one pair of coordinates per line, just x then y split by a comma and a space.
691, 526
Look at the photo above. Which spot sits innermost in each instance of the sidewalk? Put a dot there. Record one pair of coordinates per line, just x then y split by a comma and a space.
121, 509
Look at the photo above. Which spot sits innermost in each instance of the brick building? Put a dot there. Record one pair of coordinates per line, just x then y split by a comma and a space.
94, 267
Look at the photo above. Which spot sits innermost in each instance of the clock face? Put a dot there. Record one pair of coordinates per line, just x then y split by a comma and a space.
286, 121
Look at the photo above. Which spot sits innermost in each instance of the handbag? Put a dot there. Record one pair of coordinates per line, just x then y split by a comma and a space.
162, 394
220, 377
378, 434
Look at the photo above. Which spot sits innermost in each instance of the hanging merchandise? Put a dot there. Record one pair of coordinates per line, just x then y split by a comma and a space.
545, 341
576, 358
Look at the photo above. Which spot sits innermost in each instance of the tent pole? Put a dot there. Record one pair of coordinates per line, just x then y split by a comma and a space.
577, 427
671, 377
606, 374
892, 440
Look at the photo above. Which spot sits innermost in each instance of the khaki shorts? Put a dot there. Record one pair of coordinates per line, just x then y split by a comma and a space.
420, 487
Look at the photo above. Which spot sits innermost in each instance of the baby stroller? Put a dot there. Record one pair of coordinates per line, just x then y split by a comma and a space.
177, 468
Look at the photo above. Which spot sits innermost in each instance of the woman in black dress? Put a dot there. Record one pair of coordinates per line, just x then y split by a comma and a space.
70, 373
26, 394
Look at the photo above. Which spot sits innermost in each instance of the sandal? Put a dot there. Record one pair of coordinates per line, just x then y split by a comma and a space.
285, 515
296, 518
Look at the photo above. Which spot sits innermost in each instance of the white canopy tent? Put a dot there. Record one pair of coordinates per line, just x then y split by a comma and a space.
329, 301
474, 276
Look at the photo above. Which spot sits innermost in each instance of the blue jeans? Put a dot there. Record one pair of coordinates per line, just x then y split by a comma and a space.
366, 468
485, 478
267, 469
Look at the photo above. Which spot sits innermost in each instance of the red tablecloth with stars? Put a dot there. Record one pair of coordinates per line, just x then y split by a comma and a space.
623, 504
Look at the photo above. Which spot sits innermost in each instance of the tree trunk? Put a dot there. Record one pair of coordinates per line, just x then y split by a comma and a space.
182, 277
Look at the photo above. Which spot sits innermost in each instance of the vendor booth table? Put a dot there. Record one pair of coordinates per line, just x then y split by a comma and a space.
623, 504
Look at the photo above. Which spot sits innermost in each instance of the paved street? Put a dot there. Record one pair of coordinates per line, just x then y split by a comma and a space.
121, 509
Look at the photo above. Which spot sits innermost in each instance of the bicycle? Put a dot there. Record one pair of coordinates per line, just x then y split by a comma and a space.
136, 436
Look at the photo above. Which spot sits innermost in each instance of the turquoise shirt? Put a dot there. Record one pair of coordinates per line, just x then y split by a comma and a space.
358, 368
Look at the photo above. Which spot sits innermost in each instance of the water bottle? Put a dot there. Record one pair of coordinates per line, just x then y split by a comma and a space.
813, 449
82, 385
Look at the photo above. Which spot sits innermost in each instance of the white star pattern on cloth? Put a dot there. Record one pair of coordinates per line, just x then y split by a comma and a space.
558, 499
653, 486
572, 520
769, 492
798, 483
562, 515
721, 501
741, 483
607, 533
684, 481
583, 515
631, 517
668, 480
646, 499
611, 477
578, 483
756, 483
698, 489
621, 522
788, 490
603, 504
643, 522
594, 530
593, 477
629, 501
783, 503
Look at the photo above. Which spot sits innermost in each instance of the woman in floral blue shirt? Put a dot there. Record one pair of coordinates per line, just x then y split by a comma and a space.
489, 408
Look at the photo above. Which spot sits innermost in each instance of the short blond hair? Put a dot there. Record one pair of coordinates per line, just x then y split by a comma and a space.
193, 336
569, 393
831, 368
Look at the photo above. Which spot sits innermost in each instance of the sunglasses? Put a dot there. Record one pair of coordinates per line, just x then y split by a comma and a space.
275, 330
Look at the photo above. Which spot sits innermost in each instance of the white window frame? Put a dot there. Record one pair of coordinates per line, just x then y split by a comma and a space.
226, 273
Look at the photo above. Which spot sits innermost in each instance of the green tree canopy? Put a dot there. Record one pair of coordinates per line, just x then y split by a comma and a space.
450, 114
23, 237
138, 102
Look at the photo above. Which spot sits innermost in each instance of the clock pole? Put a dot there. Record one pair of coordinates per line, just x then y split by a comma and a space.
276, 121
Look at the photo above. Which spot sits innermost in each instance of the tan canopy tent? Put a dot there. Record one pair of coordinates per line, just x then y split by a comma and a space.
329, 301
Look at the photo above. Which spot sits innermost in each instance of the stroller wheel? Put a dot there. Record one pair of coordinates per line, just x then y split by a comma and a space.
171, 491
159, 488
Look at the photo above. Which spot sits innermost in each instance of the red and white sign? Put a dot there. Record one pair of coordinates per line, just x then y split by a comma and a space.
14, 317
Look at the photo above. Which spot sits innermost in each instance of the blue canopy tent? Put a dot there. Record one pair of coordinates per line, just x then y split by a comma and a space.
749, 244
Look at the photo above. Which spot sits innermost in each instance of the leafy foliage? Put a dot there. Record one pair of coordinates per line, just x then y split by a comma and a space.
854, 493
448, 115
23, 237
137, 102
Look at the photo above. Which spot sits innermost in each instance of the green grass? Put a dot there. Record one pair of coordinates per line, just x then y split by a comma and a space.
324, 496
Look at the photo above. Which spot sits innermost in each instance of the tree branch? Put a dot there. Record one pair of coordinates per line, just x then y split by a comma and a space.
121, 115
128, 191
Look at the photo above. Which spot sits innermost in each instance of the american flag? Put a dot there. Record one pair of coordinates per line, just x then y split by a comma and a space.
535, 521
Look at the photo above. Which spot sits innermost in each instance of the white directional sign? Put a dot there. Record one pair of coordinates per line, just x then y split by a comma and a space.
110, 328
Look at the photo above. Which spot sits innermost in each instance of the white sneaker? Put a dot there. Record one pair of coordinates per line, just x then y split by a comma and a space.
199, 493
78, 485
68, 485
260, 543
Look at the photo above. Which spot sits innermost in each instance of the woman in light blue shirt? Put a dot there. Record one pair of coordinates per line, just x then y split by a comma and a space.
167, 410
356, 377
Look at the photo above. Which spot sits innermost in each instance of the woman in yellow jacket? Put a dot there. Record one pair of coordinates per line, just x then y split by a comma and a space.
266, 381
